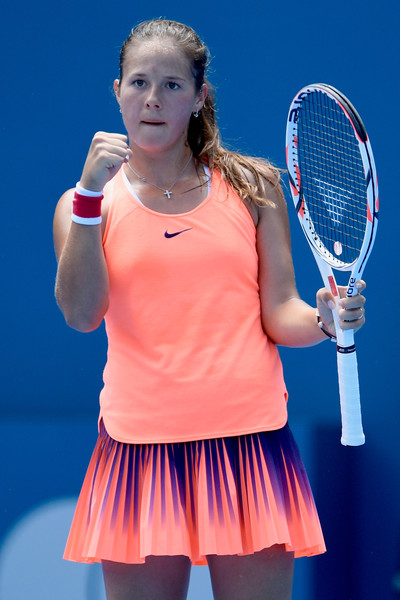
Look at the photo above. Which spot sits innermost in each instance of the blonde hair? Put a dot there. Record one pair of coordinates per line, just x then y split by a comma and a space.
246, 174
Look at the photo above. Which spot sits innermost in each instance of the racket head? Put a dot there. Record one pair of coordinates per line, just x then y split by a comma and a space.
332, 177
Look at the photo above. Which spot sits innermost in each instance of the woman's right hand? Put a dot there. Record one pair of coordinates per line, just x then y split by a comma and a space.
107, 153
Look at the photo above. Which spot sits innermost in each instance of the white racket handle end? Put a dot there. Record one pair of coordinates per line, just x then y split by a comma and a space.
353, 441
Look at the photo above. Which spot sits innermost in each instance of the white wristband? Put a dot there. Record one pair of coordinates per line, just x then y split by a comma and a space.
84, 192
86, 220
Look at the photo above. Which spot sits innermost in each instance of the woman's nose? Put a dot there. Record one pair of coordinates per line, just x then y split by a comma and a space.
153, 98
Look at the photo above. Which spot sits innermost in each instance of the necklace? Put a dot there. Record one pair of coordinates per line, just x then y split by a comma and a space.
167, 192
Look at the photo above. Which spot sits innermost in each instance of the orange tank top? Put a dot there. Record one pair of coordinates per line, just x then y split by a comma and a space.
187, 355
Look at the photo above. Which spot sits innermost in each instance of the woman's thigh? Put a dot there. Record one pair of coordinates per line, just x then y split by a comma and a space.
159, 578
265, 575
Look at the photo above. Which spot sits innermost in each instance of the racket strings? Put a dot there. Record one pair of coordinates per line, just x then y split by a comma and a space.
332, 176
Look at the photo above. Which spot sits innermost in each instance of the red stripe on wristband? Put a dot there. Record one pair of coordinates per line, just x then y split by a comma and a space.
86, 206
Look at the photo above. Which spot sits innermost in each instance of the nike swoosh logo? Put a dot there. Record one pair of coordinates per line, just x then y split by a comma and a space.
170, 235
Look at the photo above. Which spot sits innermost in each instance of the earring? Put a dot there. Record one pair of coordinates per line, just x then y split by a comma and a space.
196, 114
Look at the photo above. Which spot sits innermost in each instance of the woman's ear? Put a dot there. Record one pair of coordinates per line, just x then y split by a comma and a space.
116, 89
201, 97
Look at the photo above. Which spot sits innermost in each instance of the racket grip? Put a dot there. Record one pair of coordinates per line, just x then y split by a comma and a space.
352, 430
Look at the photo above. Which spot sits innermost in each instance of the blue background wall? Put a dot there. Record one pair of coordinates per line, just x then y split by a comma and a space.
58, 64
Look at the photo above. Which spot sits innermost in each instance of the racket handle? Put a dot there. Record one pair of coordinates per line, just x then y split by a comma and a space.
352, 430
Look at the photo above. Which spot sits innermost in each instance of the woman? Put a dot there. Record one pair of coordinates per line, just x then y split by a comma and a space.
184, 249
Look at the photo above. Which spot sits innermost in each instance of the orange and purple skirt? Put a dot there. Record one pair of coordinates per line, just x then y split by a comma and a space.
233, 495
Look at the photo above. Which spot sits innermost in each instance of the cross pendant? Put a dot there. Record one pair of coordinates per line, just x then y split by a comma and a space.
168, 193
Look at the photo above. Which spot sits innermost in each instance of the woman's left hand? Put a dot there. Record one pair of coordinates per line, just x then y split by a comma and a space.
351, 311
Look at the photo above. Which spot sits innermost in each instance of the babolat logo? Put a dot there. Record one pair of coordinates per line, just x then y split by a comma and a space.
351, 287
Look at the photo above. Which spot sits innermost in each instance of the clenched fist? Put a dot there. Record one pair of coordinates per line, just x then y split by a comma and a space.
107, 153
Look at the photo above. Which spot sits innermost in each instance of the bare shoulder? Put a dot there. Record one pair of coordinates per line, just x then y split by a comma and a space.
274, 210
271, 203
64, 205
273, 229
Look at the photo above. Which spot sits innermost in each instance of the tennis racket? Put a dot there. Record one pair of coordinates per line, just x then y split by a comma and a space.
334, 187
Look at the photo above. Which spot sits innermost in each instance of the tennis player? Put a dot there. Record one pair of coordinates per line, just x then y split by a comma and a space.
183, 247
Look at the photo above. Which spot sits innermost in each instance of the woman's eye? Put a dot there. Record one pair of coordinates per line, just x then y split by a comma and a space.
138, 83
172, 85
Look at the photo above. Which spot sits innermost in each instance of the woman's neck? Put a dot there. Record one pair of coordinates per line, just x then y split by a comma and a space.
162, 168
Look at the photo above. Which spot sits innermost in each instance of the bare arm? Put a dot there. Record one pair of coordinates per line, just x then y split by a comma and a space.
288, 320
82, 278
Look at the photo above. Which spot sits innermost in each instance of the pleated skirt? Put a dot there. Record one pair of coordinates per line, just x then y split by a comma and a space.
232, 495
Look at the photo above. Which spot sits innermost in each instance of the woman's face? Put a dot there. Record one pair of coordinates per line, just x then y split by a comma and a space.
157, 95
